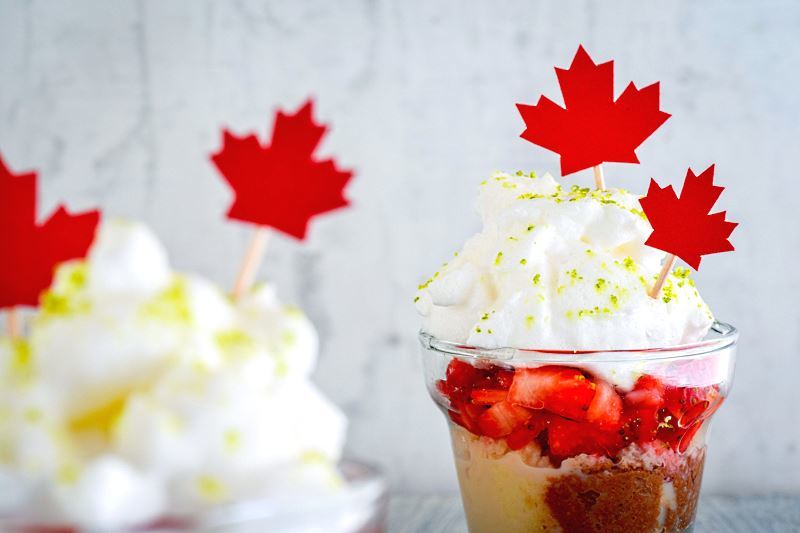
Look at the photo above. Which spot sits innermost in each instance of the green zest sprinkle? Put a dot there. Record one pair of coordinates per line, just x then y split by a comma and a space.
577, 193
668, 292
478, 329
614, 301
171, 305
416, 299
485, 316
600, 285
629, 264
596, 311
520, 173
529, 320
498, 258
574, 276
537, 279
523, 261
530, 227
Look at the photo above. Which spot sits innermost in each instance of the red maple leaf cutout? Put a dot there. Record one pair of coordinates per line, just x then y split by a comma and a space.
592, 128
31, 251
683, 226
282, 185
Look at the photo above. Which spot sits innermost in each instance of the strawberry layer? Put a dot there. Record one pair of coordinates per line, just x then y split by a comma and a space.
570, 411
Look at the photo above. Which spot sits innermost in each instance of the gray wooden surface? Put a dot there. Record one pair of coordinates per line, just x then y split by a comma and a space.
717, 514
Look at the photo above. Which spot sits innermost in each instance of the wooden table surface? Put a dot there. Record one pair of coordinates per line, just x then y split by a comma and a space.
716, 514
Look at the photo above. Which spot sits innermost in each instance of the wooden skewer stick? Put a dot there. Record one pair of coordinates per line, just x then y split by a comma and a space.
669, 262
13, 323
250, 263
599, 180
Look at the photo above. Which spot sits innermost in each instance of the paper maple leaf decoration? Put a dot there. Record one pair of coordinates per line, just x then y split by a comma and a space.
31, 251
682, 226
282, 185
592, 127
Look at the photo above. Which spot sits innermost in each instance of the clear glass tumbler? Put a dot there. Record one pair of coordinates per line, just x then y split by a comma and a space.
611, 441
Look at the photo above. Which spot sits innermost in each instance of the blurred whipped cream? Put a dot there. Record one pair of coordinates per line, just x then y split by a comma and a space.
142, 392
559, 269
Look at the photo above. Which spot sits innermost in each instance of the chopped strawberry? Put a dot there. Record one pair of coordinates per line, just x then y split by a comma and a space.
488, 396
561, 390
640, 424
504, 378
460, 377
520, 438
686, 438
692, 414
461, 374
688, 404
470, 414
648, 392
502, 418
605, 409
567, 439
455, 417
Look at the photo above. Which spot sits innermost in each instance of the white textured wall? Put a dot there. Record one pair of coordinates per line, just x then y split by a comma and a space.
119, 103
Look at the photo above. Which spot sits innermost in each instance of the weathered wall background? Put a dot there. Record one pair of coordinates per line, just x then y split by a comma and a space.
119, 104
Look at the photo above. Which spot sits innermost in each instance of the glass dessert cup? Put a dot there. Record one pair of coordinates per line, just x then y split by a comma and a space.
359, 507
588, 441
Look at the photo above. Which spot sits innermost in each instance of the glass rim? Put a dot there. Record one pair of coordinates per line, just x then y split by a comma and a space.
720, 336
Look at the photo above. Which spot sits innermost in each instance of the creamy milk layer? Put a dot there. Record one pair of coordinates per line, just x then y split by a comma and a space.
141, 391
559, 268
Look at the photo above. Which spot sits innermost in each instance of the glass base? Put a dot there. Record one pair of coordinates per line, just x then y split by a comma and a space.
522, 491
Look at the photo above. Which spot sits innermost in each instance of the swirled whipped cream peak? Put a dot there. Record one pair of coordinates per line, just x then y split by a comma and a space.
142, 392
560, 268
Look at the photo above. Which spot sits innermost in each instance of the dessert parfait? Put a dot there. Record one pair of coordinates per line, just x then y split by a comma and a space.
578, 368
575, 400
147, 397
140, 398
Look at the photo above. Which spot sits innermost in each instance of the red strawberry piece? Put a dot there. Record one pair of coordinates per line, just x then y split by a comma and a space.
502, 419
504, 378
640, 424
461, 374
688, 404
455, 417
686, 438
561, 390
648, 392
470, 414
567, 439
488, 396
693, 414
460, 379
520, 438
605, 409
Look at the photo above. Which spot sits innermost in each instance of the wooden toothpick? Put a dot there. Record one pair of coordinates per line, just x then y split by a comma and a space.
13, 323
599, 180
251, 262
669, 262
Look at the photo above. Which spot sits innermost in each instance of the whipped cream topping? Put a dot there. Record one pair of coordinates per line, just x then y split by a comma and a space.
142, 391
560, 269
